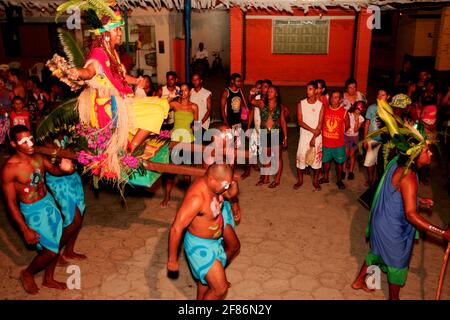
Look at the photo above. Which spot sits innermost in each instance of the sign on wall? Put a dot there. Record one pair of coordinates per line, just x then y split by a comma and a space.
300, 36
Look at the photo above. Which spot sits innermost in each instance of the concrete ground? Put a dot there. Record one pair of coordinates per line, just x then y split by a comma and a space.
294, 245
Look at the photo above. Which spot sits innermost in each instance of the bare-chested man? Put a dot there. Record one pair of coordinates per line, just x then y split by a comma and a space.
201, 213
37, 215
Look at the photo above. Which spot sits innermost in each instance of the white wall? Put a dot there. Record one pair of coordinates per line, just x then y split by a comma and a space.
426, 37
212, 27
161, 21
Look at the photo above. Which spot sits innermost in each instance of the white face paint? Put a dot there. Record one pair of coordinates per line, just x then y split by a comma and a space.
27, 140
225, 185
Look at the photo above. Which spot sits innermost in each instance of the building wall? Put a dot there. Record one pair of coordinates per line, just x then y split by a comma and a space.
426, 36
212, 28
208, 26
417, 35
291, 69
405, 39
443, 50
34, 45
161, 20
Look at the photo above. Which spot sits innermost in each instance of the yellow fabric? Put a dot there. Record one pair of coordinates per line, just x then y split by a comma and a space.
150, 113
182, 131
99, 101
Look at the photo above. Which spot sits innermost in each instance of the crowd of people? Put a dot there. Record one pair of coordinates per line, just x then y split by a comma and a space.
26, 101
46, 198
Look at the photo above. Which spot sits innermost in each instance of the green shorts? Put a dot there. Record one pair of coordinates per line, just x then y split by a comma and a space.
395, 275
336, 154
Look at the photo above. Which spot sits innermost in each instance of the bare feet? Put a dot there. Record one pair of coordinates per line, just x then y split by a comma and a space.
53, 284
261, 182
361, 284
298, 185
62, 261
28, 282
274, 184
246, 174
164, 203
74, 256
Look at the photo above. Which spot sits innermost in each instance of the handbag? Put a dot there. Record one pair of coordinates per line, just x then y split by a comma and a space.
245, 112
310, 156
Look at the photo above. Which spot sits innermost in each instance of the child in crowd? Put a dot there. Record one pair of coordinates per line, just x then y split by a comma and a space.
351, 136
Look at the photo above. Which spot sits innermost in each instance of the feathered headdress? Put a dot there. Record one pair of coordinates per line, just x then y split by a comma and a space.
95, 10
409, 139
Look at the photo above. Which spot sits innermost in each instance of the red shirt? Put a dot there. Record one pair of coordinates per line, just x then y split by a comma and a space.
324, 100
22, 118
333, 127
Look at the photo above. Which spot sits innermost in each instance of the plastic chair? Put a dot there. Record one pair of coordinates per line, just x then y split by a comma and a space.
14, 65
36, 70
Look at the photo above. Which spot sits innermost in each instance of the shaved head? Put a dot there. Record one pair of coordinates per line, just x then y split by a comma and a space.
220, 171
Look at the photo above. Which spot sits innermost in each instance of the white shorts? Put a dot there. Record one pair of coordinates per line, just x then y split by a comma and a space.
372, 153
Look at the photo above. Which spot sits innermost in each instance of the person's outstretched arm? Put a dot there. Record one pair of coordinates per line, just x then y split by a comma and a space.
85, 73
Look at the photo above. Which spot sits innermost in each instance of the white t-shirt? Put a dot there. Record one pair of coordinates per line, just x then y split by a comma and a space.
166, 93
201, 54
200, 98
351, 131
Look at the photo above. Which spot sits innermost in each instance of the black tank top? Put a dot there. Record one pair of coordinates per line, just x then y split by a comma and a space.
235, 101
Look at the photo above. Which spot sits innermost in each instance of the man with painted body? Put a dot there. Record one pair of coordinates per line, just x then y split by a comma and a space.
37, 215
205, 215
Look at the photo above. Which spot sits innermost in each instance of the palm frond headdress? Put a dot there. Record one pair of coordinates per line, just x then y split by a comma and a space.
409, 139
95, 10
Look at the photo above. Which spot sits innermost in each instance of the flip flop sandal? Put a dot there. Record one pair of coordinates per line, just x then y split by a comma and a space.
273, 185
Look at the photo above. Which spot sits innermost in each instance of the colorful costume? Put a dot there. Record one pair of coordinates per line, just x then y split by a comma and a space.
44, 217
68, 192
107, 103
391, 235
202, 252
107, 100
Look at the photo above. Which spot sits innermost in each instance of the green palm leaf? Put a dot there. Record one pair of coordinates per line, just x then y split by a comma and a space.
63, 8
64, 116
92, 19
73, 50
102, 8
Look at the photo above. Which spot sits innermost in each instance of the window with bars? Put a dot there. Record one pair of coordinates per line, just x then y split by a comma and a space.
300, 36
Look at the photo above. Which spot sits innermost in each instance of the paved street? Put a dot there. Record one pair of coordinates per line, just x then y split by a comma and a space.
294, 245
